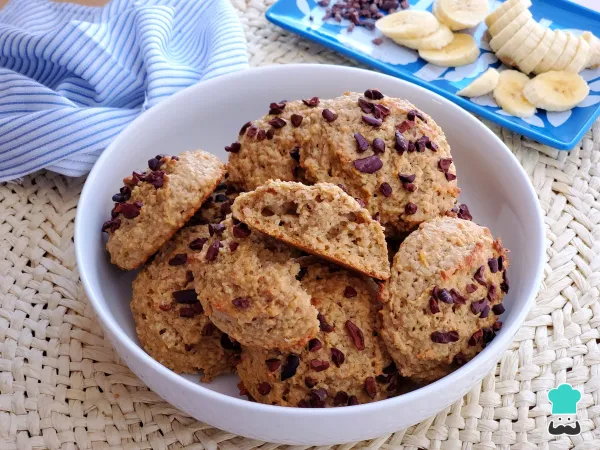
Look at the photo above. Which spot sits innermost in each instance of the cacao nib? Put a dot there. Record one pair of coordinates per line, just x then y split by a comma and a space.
314, 345
378, 145
245, 127
337, 356
385, 189
318, 366
213, 251
312, 102
371, 121
241, 302
373, 94
234, 147
370, 387
356, 335
186, 296
111, 225
498, 309
329, 115
264, 388
362, 144
476, 338
178, 260
444, 338
277, 122
350, 292
198, 243
370, 164
289, 368
273, 364
401, 145
341, 398
323, 325
478, 276
241, 230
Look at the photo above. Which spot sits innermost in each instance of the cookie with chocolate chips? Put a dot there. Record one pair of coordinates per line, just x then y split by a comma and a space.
387, 153
154, 204
247, 284
343, 364
169, 319
442, 304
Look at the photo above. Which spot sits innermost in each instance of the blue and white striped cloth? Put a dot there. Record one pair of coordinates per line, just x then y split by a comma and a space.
72, 77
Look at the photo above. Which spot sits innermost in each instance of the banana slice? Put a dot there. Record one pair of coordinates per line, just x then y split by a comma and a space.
461, 51
510, 30
556, 91
530, 62
408, 24
461, 14
581, 57
567, 55
509, 94
594, 57
529, 44
508, 16
485, 84
556, 49
507, 51
501, 10
439, 39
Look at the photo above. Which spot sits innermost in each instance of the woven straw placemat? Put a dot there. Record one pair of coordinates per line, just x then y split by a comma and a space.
63, 387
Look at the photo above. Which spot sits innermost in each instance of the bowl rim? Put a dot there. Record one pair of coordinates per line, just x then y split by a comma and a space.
105, 317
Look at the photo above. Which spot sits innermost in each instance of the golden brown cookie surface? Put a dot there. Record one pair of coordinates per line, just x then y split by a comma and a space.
169, 319
153, 205
442, 302
341, 365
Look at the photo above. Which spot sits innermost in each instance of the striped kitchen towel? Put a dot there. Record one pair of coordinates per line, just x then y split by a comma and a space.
72, 77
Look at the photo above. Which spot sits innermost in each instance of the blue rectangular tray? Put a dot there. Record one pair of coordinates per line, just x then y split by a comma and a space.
562, 130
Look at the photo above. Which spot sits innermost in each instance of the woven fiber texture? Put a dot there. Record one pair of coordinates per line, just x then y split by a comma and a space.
63, 387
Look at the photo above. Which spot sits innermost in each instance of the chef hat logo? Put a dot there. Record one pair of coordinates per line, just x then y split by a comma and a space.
564, 399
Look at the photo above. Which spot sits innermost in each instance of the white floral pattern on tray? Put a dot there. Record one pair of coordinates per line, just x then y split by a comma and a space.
560, 130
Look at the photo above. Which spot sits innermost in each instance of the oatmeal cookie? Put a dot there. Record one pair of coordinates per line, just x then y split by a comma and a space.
170, 323
153, 205
442, 302
320, 219
247, 284
343, 365
381, 150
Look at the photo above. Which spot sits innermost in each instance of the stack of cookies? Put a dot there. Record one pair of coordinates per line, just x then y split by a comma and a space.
328, 263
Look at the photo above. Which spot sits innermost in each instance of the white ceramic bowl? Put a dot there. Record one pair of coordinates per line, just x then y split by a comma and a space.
209, 116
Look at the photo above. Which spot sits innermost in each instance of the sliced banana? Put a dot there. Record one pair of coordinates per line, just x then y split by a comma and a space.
506, 52
529, 44
509, 94
568, 53
461, 14
510, 30
582, 55
461, 51
594, 57
501, 10
408, 24
556, 91
483, 85
530, 62
508, 16
556, 49
439, 39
